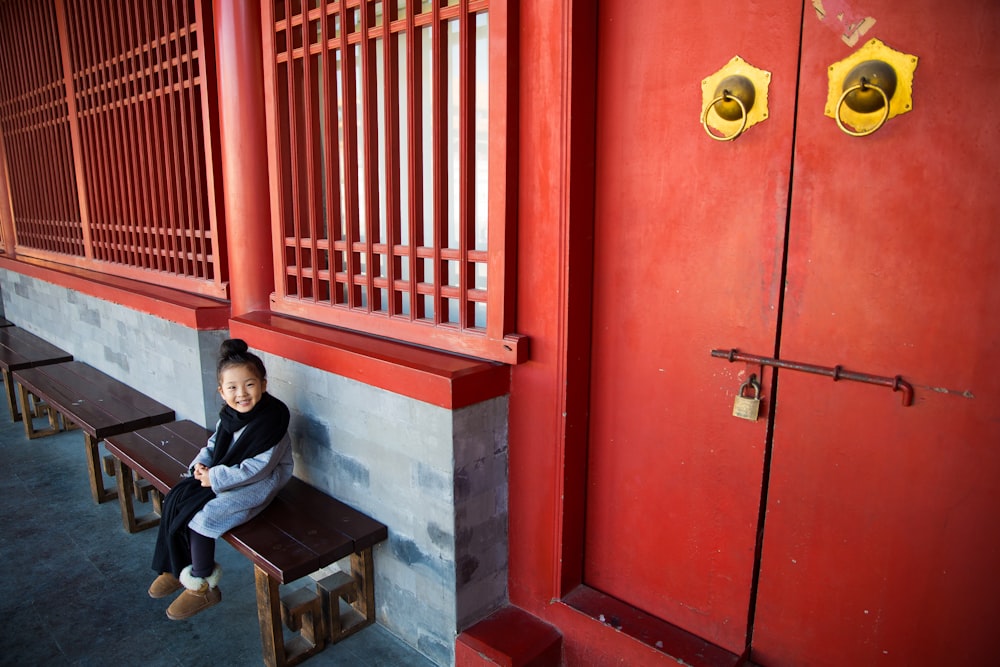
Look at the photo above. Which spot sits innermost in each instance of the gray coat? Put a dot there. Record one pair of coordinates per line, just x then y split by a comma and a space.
243, 490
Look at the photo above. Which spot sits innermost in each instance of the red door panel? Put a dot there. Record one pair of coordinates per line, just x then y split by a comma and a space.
688, 241
881, 545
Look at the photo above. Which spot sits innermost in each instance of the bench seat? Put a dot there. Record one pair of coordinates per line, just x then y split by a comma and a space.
97, 403
301, 532
21, 349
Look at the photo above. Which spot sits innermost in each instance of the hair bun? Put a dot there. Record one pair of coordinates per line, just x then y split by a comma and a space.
232, 347
236, 352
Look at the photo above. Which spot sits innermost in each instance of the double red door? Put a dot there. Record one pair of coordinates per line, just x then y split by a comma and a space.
841, 528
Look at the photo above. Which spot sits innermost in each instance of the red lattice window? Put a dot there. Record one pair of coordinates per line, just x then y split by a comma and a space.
106, 109
35, 123
388, 137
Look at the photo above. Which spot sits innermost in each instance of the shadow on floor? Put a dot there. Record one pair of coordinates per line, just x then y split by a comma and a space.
74, 582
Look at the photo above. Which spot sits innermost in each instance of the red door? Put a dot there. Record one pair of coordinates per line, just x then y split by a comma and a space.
688, 255
880, 253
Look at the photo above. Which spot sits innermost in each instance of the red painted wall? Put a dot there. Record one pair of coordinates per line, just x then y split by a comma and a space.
548, 394
548, 417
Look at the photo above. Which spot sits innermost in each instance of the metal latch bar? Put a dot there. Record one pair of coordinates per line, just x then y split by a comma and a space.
896, 383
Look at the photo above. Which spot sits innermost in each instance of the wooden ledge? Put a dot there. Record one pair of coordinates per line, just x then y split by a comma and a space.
446, 380
191, 310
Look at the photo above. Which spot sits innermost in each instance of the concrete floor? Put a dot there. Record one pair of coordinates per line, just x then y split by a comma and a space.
74, 582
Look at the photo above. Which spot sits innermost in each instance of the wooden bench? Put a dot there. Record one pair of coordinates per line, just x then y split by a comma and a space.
302, 531
97, 403
20, 349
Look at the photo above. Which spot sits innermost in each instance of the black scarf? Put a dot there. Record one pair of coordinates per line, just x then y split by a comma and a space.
265, 425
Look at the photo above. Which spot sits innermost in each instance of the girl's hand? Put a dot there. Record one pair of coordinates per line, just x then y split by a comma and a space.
201, 474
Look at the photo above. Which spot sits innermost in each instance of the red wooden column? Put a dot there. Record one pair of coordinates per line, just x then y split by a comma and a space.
244, 154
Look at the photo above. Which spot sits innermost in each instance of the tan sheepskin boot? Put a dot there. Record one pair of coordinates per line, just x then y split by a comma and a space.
199, 594
164, 585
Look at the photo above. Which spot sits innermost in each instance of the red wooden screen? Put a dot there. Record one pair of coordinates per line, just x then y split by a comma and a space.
107, 110
388, 151
34, 121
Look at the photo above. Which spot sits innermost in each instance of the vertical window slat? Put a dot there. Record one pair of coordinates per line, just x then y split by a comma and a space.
439, 152
85, 111
392, 162
154, 130
96, 119
295, 146
331, 151
173, 227
369, 148
466, 179
414, 189
307, 251
115, 139
349, 104
187, 139
123, 101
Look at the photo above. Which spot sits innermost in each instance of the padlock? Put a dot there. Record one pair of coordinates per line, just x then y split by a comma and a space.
746, 407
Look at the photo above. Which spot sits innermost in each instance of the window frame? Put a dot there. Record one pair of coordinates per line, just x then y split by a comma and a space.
496, 340
119, 132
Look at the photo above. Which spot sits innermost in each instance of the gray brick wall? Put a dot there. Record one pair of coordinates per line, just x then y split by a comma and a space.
167, 361
437, 478
480, 483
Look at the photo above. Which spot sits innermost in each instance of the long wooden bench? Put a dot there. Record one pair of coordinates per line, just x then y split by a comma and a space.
301, 532
95, 402
20, 349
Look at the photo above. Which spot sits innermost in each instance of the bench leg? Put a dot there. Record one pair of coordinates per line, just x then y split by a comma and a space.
125, 483
363, 571
97, 489
302, 612
349, 599
269, 614
157, 502
305, 616
8, 380
29, 428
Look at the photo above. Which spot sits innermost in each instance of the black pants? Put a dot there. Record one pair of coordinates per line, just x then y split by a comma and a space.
177, 546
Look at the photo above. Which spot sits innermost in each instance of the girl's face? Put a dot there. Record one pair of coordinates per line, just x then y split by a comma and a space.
240, 387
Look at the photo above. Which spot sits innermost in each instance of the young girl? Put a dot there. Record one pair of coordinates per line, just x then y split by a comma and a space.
244, 465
